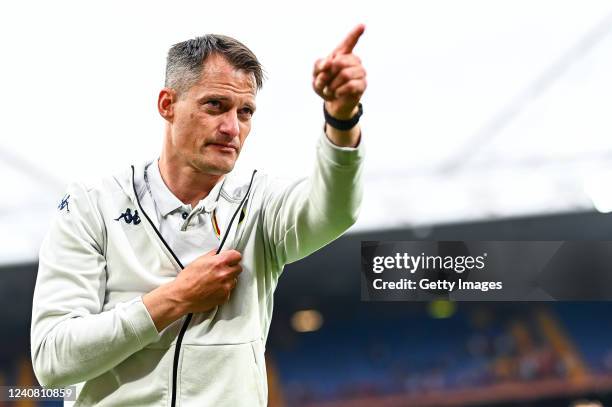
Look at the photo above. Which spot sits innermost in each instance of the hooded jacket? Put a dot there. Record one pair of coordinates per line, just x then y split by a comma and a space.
91, 328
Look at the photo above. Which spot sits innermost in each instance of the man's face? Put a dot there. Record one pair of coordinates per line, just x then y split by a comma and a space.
213, 118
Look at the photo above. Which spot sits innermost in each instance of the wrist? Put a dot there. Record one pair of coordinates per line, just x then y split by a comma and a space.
342, 113
164, 305
174, 297
343, 124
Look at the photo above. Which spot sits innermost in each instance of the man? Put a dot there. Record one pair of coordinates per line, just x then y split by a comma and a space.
155, 286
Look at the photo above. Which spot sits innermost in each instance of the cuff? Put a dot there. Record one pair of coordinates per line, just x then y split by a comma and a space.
341, 155
141, 321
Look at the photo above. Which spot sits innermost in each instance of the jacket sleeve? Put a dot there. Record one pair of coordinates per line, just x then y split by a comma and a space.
305, 215
72, 340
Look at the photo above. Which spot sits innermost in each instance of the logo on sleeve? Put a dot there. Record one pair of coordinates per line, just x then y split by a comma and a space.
64, 203
129, 218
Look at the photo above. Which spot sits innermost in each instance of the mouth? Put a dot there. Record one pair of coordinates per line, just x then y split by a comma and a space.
225, 148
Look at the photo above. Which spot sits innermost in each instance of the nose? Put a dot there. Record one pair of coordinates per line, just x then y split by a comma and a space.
229, 124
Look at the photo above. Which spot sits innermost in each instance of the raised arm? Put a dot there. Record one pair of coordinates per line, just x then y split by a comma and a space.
301, 217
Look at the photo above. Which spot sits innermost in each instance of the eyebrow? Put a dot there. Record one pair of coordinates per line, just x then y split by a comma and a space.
223, 98
214, 96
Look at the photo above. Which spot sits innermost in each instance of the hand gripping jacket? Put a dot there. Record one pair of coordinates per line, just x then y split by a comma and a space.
91, 328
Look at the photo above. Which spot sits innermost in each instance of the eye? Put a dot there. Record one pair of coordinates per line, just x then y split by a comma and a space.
213, 103
246, 111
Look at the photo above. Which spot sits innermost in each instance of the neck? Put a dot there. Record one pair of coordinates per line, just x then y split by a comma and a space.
186, 183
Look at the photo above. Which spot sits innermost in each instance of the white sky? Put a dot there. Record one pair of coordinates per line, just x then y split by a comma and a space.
81, 82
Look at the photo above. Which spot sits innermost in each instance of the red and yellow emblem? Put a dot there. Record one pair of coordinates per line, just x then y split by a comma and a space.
215, 224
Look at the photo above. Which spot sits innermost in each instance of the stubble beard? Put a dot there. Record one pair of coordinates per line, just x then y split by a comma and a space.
214, 166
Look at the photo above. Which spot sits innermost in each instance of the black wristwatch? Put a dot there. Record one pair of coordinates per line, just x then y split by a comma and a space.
342, 124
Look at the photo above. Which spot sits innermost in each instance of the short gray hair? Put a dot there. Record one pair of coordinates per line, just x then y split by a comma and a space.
186, 60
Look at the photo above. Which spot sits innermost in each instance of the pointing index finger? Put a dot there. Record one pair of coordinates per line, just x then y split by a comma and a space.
347, 45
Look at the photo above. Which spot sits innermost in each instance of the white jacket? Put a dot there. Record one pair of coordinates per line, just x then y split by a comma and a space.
91, 328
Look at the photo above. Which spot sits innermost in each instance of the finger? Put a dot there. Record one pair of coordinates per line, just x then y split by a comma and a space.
322, 80
231, 284
332, 67
328, 94
321, 65
321, 89
343, 61
346, 75
230, 257
234, 271
354, 87
318, 90
347, 45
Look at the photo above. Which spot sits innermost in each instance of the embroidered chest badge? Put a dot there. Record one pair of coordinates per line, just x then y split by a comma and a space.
128, 217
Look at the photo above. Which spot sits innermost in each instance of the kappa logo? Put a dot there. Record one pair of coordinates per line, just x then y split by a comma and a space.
64, 203
129, 218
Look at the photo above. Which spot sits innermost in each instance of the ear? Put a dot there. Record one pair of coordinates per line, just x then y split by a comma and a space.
165, 103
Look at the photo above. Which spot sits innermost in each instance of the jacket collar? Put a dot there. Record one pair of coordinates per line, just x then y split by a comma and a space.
167, 202
232, 188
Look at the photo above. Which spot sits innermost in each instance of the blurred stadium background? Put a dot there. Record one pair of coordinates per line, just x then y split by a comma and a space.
484, 121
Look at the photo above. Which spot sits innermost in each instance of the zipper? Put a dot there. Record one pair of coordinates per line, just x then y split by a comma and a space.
179, 339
